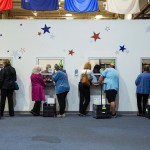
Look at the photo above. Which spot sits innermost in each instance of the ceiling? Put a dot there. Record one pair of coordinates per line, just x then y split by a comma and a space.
18, 13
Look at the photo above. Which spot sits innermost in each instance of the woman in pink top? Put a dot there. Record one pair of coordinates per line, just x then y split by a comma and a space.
38, 94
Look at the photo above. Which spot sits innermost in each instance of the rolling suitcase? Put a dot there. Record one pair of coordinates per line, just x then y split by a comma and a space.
49, 110
101, 111
147, 112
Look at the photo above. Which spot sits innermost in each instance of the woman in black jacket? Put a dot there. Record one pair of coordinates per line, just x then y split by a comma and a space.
7, 79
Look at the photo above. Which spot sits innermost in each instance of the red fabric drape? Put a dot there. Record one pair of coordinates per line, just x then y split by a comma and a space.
5, 4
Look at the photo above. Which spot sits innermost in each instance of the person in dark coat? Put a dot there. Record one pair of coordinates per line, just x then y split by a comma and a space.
142, 83
7, 79
38, 94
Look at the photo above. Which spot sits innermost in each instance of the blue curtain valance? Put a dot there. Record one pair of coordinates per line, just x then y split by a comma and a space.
42, 5
81, 5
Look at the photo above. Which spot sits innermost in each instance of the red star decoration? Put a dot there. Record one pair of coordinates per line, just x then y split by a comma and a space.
95, 36
39, 33
70, 52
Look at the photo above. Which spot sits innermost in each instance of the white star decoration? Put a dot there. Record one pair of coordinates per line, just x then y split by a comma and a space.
52, 36
107, 28
15, 54
148, 29
22, 50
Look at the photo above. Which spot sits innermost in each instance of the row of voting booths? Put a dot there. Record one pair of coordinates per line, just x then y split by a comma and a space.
50, 86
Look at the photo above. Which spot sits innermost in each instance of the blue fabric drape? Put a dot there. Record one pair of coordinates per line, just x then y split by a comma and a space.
81, 5
40, 4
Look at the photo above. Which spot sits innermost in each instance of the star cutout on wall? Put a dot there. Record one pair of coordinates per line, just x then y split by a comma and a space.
46, 29
52, 36
95, 36
71, 52
39, 33
107, 28
148, 29
116, 52
22, 50
122, 48
15, 54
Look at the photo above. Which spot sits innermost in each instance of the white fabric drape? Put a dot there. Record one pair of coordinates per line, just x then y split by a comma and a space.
123, 6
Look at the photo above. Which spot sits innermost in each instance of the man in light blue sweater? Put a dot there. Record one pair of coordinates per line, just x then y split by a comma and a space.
110, 78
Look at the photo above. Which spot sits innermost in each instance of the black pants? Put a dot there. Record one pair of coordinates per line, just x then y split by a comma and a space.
84, 98
37, 107
141, 102
62, 102
9, 94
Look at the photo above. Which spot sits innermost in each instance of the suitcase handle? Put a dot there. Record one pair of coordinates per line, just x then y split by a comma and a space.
101, 86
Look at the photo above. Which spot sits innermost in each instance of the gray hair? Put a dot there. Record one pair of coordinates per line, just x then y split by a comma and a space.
36, 69
56, 66
146, 68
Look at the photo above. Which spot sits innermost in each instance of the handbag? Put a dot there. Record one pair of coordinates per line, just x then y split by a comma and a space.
16, 86
85, 79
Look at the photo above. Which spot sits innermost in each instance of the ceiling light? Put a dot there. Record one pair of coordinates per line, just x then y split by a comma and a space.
68, 15
69, 18
30, 18
34, 13
99, 16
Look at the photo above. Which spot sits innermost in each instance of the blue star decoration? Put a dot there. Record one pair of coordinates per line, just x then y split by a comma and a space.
46, 29
122, 48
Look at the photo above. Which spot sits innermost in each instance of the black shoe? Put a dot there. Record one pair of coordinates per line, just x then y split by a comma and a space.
34, 114
114, 115
141, 115
82, 115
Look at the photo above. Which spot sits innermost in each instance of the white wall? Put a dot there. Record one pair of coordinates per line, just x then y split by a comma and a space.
23, 40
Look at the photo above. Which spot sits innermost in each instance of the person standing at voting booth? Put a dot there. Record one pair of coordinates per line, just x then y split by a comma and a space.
84, 88
110, 78
7, 80
47, 77
38, 94
61, 87
96, 70
142, 83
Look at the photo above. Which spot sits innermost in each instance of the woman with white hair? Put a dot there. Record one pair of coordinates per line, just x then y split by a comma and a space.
38, 95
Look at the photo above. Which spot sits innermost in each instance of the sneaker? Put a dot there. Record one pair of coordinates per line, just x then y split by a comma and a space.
59, 116
63, 115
